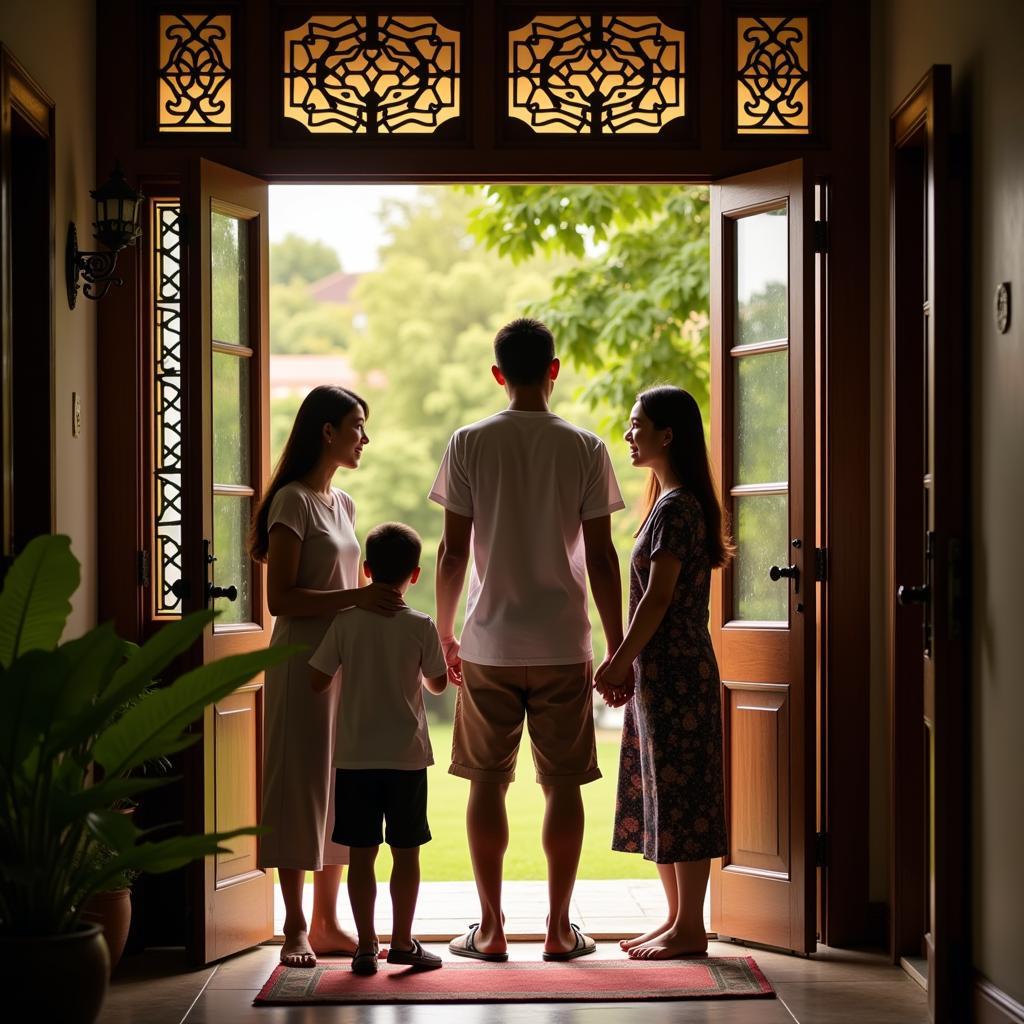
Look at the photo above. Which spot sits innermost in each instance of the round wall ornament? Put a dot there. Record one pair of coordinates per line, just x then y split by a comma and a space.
1003, 307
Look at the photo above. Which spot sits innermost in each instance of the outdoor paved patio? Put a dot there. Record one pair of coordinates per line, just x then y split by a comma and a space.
603, 909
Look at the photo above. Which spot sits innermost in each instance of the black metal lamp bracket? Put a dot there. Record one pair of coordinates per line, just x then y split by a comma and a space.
96, 269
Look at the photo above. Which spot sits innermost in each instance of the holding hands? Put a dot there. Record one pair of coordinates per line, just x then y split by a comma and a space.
450, 647
614, 680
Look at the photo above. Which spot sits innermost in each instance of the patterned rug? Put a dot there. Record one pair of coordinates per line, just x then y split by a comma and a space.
578, 981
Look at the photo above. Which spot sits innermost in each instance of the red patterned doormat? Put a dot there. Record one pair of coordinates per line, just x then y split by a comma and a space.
579, 981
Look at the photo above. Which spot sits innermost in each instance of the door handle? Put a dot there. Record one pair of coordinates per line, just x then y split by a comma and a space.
212, 591
786, 572
913, 595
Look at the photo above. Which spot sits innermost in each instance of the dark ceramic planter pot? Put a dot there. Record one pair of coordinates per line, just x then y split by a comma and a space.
112, 911
58, 978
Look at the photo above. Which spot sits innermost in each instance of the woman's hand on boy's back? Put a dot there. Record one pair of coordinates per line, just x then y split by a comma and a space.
380, 599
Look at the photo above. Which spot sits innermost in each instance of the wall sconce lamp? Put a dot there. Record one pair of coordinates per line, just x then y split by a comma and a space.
117, 225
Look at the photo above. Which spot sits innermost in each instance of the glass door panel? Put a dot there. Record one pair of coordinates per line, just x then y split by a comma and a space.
760, 398
231, 356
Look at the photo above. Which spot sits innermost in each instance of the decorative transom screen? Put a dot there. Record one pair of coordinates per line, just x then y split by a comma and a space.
597, 73
167, 389
371, 74
773, 77
195, 73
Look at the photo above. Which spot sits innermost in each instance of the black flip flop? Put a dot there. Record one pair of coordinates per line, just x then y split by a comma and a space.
584, 945
415, 957
470, 950
364, 964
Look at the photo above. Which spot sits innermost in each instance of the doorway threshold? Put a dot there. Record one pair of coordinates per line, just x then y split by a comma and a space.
605, 909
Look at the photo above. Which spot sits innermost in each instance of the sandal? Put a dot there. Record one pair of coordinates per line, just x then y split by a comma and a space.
468, 948
415, 957
584, 945
365, 963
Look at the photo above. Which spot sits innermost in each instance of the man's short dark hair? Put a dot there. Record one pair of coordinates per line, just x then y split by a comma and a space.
392, 552
524, 350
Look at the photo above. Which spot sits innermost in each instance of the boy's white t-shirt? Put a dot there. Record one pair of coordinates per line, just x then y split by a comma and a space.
527, 480
381, 721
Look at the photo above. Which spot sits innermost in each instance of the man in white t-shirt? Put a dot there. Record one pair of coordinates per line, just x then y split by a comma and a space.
532, 495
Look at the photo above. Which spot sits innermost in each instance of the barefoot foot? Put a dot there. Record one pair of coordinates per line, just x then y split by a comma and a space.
326, 938
670, 944
639, 940
296, 951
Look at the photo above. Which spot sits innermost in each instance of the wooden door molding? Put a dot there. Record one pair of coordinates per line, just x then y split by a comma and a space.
26, 108
764, 890
926, 281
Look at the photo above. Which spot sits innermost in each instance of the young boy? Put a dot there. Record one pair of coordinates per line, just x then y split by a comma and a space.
382, 747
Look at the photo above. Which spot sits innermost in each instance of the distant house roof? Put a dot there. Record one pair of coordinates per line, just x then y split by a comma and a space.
299, 374
336, 287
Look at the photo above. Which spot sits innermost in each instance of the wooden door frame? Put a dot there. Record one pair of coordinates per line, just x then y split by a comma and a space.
921, 123
20, 94
837, 157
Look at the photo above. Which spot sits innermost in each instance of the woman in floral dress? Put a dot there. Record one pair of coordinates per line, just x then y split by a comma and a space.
671, 794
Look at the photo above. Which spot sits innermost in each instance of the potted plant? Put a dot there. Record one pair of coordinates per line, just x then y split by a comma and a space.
66, 770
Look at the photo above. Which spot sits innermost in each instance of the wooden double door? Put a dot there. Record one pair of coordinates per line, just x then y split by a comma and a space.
763, 613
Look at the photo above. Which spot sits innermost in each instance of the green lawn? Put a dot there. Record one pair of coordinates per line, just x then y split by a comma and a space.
446, 857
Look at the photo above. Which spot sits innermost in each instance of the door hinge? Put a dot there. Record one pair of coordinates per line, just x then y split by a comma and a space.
821, 564
820, 849
143, 568
821, 236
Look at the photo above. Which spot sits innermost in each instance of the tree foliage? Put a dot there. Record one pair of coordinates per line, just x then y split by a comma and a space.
632, 307
304, 259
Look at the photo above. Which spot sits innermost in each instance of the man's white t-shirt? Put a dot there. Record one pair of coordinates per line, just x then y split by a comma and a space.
527, 480
381, 721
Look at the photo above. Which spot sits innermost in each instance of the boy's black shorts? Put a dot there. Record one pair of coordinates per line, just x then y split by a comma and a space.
363, 797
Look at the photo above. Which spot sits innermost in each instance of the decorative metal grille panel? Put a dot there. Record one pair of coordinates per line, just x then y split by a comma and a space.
372, 74
195, 73
596, 74
167, 391
773, 78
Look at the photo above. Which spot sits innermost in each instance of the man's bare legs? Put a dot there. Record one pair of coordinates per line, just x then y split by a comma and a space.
667, 874
487, 830
562, 836
326, 934
362, 894
686, 934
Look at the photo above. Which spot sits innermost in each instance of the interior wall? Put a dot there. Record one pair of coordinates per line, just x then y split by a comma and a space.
981, 41
63, 63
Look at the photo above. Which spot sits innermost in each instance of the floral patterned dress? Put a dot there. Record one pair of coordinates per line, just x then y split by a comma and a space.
671, 796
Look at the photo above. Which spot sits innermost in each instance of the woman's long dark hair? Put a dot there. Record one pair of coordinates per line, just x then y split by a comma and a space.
324, 404
673, 407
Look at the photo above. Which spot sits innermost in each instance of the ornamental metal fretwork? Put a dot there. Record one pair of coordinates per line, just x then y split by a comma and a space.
773, 77
596, 74
371, 74
195, 73
167, 390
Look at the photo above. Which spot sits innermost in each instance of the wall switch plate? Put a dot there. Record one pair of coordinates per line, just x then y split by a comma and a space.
76, 414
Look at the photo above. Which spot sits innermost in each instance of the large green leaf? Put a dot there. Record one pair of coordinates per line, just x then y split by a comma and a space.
176, 852
29, 690
149, 660
154, 726
36, 598
74, 806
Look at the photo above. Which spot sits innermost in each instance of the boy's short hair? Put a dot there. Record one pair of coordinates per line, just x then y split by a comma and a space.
523, 350
392, 552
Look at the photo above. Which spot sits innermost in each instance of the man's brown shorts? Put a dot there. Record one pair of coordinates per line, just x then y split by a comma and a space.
557, 703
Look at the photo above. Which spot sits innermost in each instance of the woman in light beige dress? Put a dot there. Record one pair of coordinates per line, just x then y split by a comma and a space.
304, 529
